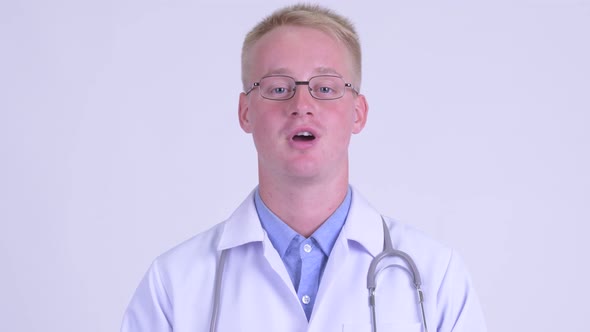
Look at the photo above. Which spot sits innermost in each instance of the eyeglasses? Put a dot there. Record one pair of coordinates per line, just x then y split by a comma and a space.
322, 87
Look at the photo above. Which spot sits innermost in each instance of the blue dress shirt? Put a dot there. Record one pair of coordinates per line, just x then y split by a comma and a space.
304, 258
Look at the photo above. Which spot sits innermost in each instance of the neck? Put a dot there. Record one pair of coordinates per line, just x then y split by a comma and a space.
303, 206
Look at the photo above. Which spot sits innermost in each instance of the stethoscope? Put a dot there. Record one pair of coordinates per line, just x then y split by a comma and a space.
372, 274
388, 251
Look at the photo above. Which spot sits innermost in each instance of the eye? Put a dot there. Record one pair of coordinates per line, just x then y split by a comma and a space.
326, 86
277, 87
278, 90
325, 89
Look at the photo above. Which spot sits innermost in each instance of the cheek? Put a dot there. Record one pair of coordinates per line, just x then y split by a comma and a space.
261, 125
263, 131
342, 128
347, 122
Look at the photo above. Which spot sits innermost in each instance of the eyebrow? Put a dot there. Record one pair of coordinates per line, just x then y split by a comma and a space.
327, 70
278, 71
317, 71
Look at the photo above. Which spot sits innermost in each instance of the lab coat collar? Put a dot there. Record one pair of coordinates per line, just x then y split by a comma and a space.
242, 227
363, 225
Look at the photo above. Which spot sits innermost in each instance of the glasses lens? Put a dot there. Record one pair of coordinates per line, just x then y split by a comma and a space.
326, 87
277, 87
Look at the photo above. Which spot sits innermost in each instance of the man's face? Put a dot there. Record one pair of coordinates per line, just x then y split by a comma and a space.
277, 126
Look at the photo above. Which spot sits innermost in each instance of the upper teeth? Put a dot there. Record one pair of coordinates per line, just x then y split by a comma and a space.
304, 133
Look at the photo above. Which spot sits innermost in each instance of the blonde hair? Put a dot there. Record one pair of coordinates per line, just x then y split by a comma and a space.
311, 16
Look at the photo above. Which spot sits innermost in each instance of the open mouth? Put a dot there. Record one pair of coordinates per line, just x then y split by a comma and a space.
303, 136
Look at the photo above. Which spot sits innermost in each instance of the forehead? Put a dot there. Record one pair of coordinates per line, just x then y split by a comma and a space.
300, 52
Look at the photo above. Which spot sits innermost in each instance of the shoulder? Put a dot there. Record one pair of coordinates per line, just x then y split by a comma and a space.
407, 237
454, 301
196, 250
240, 228
427, 251
365, 224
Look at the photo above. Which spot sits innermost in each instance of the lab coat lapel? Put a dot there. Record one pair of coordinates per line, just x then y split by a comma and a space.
363, 226
244, 227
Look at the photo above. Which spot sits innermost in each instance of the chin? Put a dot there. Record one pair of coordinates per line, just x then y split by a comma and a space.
302, 171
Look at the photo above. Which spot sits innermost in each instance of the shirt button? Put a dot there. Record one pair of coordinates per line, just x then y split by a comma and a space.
305, 299
307, 248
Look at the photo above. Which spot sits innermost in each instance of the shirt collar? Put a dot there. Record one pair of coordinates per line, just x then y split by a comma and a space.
281, 235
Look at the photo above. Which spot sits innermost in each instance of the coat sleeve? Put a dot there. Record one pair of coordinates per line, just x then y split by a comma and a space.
150, 309
458, 302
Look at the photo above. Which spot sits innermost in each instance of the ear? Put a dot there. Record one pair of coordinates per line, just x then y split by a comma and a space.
244, 114
361, 110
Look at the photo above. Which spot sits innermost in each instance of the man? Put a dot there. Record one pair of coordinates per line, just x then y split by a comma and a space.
295, 255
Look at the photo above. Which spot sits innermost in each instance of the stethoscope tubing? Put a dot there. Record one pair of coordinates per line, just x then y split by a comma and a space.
217, 291
373, 272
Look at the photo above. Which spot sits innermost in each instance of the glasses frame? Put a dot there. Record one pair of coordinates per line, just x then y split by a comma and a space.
257, 85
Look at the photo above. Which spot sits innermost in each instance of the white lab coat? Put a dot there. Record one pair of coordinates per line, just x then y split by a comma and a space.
257, 294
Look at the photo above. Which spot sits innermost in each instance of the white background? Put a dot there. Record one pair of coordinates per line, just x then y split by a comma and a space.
119, 139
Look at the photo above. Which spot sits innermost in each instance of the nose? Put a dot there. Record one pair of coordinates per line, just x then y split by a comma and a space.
302, 102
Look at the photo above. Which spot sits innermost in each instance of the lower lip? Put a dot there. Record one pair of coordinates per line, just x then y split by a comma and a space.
302, 145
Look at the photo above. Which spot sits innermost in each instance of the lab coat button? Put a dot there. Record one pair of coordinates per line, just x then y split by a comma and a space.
306, 299
307, 248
